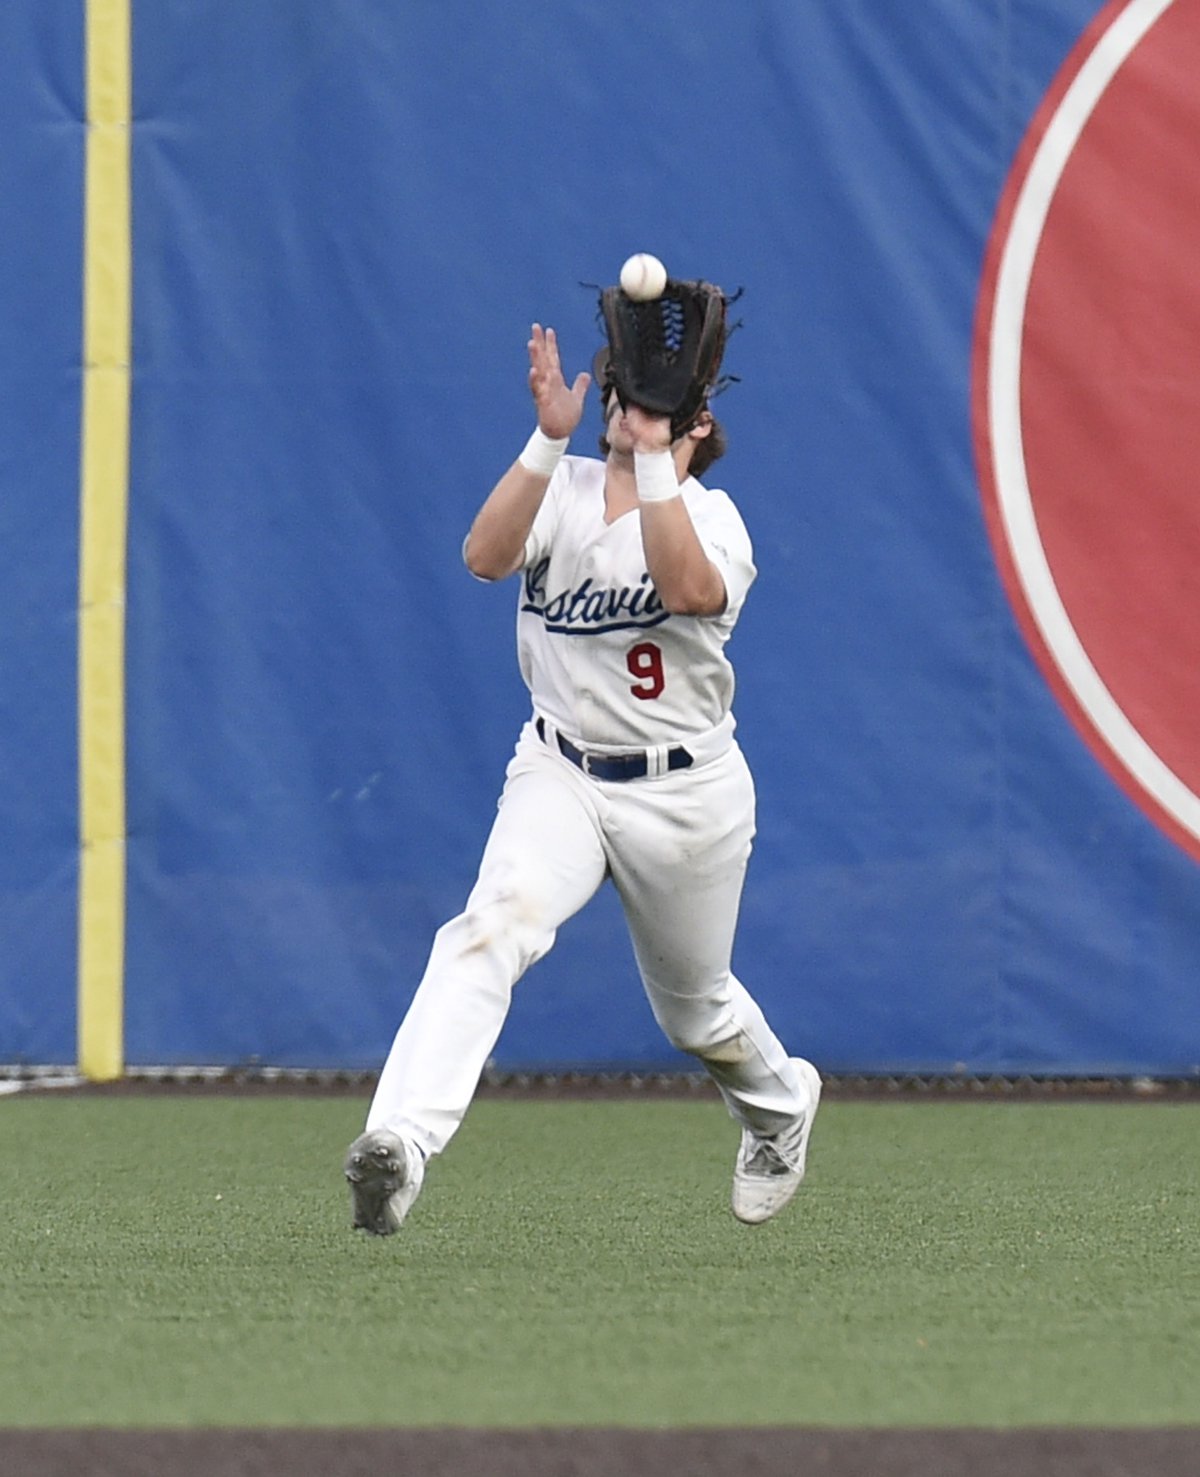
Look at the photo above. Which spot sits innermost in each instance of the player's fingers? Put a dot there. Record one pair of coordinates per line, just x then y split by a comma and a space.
539, 368
580, 388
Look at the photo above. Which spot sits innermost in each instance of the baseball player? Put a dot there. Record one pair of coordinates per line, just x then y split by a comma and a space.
632, 576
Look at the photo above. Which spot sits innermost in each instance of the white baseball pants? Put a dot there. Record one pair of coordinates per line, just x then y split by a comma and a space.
676, 849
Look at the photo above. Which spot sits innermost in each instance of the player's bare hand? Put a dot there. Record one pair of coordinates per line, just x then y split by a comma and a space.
648, 432
559, 405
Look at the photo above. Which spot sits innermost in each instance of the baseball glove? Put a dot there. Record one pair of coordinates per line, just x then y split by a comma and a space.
665, 354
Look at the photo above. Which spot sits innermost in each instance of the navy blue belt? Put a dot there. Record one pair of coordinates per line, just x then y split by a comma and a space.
613, 766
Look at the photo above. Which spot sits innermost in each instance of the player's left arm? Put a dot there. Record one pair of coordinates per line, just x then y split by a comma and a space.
686, 579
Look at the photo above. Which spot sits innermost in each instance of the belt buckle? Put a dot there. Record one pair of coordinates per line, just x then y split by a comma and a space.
607, 762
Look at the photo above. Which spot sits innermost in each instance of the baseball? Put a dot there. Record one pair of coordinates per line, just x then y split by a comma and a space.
643, 277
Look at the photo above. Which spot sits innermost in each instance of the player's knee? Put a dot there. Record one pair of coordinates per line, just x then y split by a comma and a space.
509, 923
707, 1038
730, 1052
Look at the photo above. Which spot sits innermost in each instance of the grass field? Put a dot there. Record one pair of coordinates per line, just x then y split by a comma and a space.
187, 1261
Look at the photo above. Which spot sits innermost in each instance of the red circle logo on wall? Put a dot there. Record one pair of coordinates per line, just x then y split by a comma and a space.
1086, 398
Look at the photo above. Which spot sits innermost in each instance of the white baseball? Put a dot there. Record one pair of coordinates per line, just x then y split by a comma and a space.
643, 277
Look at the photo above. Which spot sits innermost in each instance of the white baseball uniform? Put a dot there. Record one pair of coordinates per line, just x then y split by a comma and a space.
627, 770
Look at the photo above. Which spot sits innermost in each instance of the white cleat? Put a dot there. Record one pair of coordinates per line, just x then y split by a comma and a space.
769, 1171
384, 1173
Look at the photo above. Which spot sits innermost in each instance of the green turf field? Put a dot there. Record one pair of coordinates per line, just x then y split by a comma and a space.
188, 1261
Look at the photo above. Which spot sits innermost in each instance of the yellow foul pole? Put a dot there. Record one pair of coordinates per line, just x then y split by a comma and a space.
104, 479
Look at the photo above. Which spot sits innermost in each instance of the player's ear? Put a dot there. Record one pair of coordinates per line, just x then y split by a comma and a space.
703, 426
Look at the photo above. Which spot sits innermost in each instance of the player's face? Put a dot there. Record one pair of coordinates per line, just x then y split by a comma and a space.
617, 431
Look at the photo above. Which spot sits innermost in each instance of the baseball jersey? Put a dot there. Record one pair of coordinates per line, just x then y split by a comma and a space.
603, 660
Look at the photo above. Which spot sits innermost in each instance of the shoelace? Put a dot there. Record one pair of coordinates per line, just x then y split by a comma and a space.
769, 1158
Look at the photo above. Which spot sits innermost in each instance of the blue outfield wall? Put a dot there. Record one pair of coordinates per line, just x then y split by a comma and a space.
41, 181
346, 215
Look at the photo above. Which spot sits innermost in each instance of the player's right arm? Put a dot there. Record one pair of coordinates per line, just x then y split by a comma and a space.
495, 546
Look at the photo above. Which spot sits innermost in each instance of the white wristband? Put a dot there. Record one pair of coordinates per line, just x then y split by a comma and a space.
654, 472
543, 453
